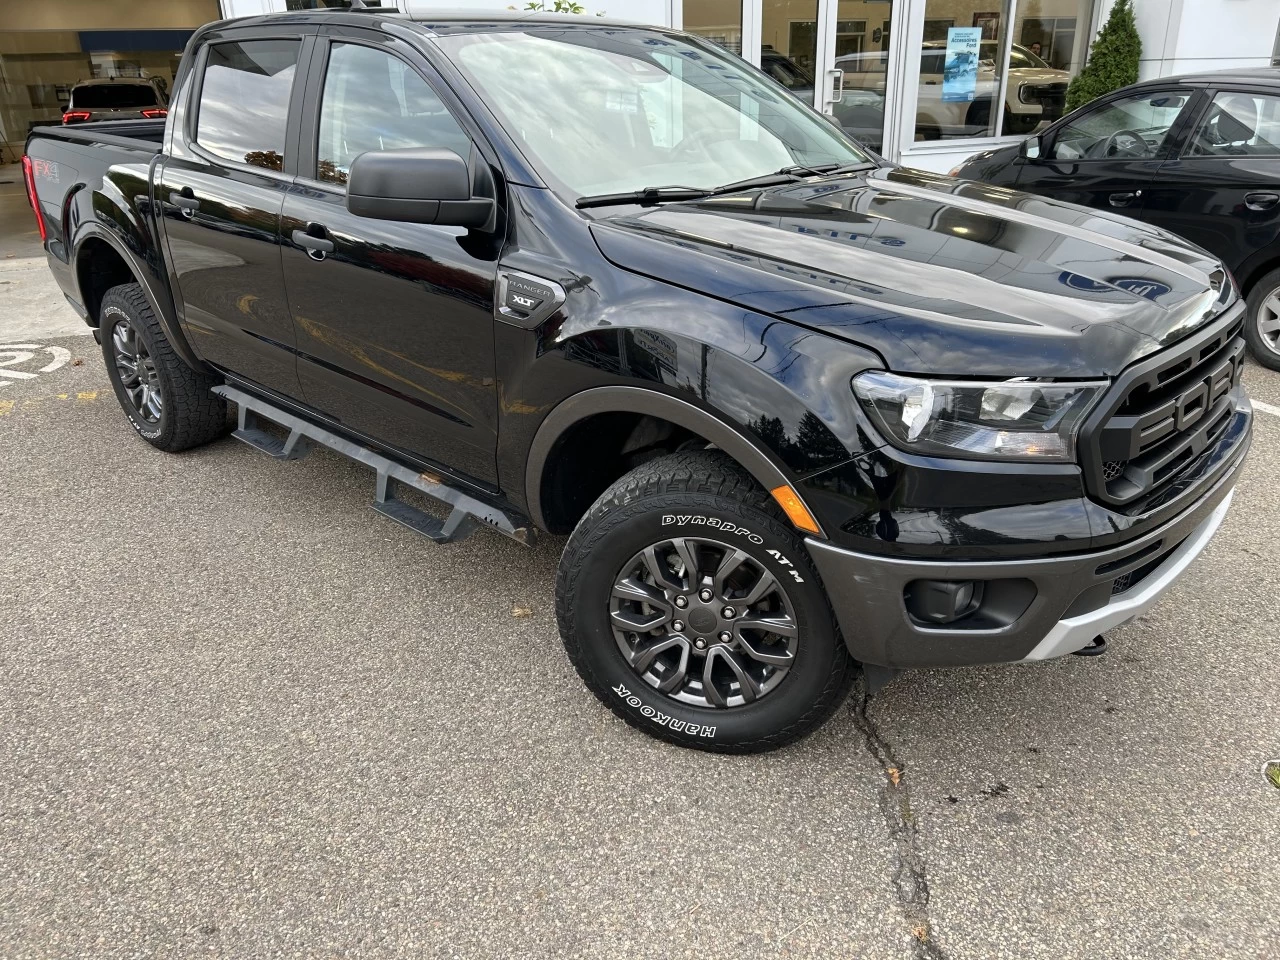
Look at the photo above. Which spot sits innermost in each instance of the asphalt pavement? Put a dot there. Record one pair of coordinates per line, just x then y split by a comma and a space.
244, 716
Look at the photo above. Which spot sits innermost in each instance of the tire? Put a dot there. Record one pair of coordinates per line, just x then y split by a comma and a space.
169, 404
704, 500
1263, 310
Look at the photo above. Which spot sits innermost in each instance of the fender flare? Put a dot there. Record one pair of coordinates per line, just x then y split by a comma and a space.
624, 399
168, 323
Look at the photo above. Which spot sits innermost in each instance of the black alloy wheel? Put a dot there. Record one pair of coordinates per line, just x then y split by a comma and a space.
703, 622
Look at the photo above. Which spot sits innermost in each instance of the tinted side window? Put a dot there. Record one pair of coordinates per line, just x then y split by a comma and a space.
374, 101
1239, 124
244, 100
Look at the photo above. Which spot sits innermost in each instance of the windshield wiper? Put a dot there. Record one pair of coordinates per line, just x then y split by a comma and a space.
647, 195
791, 174
673, 193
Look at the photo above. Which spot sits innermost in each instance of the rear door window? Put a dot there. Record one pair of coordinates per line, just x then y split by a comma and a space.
1238, 125
244, 100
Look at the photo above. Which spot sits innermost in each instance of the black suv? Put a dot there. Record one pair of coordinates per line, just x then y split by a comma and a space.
799, 410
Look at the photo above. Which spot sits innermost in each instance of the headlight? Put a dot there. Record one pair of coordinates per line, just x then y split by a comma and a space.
1004, 420
1028, 93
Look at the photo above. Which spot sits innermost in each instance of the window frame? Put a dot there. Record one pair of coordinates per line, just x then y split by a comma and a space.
191, 124
1209, 95
308, 152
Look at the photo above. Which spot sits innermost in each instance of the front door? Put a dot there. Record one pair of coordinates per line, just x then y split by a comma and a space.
221, 197
1223, 191
395, 320
1107, 156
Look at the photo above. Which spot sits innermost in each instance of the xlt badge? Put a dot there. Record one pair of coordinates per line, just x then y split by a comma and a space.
526, 300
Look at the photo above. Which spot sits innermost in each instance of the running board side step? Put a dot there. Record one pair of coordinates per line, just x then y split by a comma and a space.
466, 509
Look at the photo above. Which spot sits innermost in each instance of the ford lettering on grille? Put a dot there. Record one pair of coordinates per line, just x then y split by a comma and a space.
1163, 415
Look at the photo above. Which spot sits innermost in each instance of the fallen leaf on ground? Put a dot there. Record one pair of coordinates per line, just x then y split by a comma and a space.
895, 775
521, 610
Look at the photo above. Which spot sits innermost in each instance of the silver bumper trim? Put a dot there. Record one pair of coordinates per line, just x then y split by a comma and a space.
1075, 633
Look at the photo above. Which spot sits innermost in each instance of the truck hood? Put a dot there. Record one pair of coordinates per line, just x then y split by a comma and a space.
939, 276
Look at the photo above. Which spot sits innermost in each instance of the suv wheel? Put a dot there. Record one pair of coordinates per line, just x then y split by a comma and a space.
689, 607
1262, 321
167, 402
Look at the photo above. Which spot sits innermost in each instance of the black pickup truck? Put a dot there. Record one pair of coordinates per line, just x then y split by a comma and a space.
801, 411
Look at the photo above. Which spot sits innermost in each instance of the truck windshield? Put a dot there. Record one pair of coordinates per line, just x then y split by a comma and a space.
113, 96
608, 109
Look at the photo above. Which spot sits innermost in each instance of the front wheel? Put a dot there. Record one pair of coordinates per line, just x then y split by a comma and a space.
690, 608
1262, 320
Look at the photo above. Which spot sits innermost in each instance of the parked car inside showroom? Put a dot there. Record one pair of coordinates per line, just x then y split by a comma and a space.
1034, 94
1197, 155
116, 98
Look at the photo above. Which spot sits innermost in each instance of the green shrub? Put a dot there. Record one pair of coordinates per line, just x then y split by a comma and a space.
1113, 58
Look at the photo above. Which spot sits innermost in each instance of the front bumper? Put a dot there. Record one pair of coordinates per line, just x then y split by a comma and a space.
1040, 609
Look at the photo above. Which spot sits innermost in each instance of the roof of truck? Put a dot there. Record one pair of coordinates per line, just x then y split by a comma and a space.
426, 12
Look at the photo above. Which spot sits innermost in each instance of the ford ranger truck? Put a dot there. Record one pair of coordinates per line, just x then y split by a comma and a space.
798, 411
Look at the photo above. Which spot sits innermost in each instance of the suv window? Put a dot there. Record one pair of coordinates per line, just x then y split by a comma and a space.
244, 100
374, 101
1142, 121
1238, 124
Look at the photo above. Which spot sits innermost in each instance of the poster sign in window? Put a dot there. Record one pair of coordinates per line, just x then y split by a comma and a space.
960, 71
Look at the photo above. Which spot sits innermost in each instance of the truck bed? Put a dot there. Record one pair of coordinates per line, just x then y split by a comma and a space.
145, 135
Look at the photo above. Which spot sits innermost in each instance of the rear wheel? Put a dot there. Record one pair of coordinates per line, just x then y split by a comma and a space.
689, 607
1262, 322
167, 402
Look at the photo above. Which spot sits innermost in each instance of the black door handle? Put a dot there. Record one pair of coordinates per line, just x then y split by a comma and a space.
1124, 199
185, 200
1261, 201
314, 241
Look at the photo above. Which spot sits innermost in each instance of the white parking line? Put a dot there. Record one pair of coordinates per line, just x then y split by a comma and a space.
1266, 407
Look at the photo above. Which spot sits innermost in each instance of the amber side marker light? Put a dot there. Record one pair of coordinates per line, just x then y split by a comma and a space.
795, 509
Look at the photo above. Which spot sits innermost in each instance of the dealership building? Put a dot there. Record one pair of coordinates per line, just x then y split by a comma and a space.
925, 82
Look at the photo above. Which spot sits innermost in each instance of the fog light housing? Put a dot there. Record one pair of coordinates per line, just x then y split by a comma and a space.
942, 601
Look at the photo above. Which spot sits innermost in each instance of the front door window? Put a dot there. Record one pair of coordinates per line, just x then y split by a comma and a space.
1134, 127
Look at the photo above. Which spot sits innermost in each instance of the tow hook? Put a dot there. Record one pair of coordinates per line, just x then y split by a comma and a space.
1096, 648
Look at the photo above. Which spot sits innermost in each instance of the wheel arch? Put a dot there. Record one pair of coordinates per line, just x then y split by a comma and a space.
101, 261
584, 407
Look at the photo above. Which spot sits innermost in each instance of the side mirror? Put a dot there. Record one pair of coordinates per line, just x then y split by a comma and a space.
1030, 148
416, 185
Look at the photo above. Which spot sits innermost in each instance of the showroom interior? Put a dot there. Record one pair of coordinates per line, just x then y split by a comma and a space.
878, 67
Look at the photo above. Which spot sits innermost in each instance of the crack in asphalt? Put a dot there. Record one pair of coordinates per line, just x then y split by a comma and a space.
910, 882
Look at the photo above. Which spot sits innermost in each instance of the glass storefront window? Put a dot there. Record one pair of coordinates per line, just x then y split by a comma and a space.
960, 69
720, 21
46, 49
963, 60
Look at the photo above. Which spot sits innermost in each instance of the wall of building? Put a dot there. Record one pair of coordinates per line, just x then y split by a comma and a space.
1185, 36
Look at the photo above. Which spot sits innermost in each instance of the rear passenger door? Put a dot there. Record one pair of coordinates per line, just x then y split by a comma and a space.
220, 193
395, 320
1223, 190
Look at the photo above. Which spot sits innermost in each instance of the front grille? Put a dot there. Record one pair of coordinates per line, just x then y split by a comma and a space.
1162, 415
1053, 100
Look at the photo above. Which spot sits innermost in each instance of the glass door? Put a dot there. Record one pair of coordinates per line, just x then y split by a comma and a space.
858, 67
